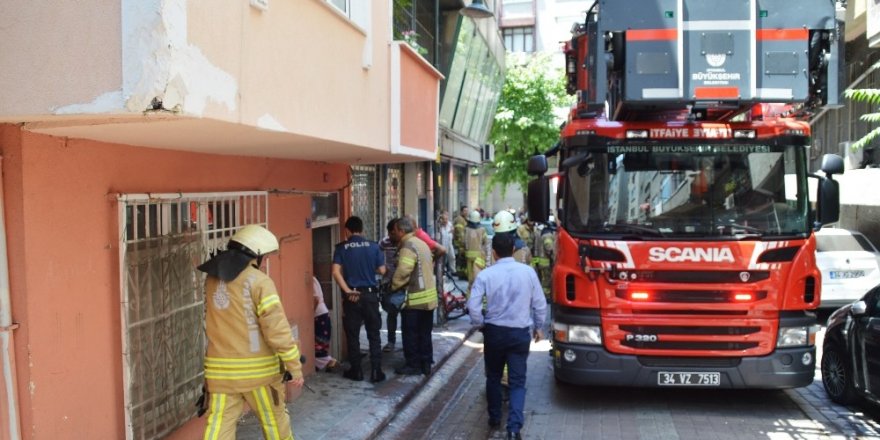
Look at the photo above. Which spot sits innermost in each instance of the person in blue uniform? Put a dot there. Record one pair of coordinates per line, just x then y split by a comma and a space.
356, 262
515, 313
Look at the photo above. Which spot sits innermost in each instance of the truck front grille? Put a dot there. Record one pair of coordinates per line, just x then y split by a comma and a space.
690, 345
692, 336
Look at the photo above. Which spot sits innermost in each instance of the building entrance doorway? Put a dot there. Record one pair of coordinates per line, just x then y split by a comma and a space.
323, 240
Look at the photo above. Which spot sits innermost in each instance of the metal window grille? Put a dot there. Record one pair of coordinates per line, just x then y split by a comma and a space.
364, 198
393, 194
162, 240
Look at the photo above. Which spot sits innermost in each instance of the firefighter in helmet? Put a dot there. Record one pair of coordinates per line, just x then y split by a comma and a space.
545, 254
250, 345
476, 241
526, 231
504, 223
459, 225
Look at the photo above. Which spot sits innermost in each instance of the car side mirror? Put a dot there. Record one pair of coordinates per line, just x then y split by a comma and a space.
858, 308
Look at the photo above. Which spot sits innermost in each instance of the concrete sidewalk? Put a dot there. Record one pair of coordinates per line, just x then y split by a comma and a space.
343, 409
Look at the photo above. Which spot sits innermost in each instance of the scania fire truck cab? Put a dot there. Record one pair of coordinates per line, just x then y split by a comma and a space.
685, 253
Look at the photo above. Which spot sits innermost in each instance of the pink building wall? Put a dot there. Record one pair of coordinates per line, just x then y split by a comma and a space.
418, 85
63, 247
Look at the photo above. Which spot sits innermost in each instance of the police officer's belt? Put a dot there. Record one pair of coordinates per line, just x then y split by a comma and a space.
366, 289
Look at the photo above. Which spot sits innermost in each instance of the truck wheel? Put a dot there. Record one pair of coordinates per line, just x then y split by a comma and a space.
837, 376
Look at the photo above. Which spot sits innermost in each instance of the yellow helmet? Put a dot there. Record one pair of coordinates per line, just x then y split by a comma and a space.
504, 222
474, 216
256, 239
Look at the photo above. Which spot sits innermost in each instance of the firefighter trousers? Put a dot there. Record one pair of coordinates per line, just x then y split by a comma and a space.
267, 403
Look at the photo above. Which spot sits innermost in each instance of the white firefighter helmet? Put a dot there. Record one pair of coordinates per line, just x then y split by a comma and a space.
474, 216
257, 239
504, 222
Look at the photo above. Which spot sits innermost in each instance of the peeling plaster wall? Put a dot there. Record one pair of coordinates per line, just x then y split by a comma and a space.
159, 64
300, 67
58, 53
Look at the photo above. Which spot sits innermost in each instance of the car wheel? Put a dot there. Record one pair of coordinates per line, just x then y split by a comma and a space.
837, 376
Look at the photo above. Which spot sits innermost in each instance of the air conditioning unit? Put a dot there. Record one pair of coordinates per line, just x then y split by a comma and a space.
488, 153
851, 159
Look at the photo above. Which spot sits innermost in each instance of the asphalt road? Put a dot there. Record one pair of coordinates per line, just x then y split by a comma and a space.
457, 409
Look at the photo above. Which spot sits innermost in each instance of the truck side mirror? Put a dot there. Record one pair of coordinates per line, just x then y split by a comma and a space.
828, 201
539, 198
832, 164
537, 165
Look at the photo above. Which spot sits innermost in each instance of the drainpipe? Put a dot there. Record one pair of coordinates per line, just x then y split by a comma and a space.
6, 328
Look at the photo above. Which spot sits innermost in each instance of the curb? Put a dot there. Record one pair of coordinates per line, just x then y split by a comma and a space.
419, 388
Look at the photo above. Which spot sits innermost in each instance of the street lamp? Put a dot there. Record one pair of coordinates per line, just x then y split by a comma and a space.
477, 9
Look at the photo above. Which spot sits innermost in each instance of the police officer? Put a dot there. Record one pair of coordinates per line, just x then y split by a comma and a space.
356, 262
250, 345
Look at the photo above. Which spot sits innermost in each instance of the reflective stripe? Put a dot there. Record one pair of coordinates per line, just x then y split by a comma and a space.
290, 355
266, 414
261, 361
251, 373
268, 302
215, 418
472, 254
542, 261
479, 262
409, 261
423, 297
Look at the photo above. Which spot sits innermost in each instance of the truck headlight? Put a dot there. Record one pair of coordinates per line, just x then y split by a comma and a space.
577, 334
802, 336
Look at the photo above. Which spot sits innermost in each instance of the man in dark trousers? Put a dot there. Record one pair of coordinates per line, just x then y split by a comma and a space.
415, 273
356, 262
515, 312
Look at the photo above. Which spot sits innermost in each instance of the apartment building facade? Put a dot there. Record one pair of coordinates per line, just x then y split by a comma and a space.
136, 137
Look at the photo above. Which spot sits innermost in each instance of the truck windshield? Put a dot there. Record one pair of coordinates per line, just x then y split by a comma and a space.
665, 192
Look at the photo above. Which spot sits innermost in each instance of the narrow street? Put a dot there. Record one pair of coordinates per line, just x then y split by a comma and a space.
562, 411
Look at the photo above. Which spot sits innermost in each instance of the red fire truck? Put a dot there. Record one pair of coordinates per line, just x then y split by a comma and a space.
686, 254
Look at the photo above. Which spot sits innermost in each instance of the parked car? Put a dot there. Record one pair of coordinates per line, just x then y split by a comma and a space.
851, 351
849, 263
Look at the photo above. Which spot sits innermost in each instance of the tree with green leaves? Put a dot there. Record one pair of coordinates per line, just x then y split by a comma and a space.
871, 96
527, 120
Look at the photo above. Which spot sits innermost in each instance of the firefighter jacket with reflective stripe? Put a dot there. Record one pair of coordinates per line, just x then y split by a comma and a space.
458, 226
415, 272
249, 338
476, 241
544, 248
526, 234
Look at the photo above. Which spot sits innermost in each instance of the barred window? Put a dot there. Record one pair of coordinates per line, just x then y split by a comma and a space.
162, 240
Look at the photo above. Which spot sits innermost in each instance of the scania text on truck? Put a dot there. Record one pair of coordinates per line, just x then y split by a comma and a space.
686, 254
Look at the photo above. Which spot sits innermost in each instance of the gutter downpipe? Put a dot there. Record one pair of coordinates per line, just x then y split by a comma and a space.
7, 353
